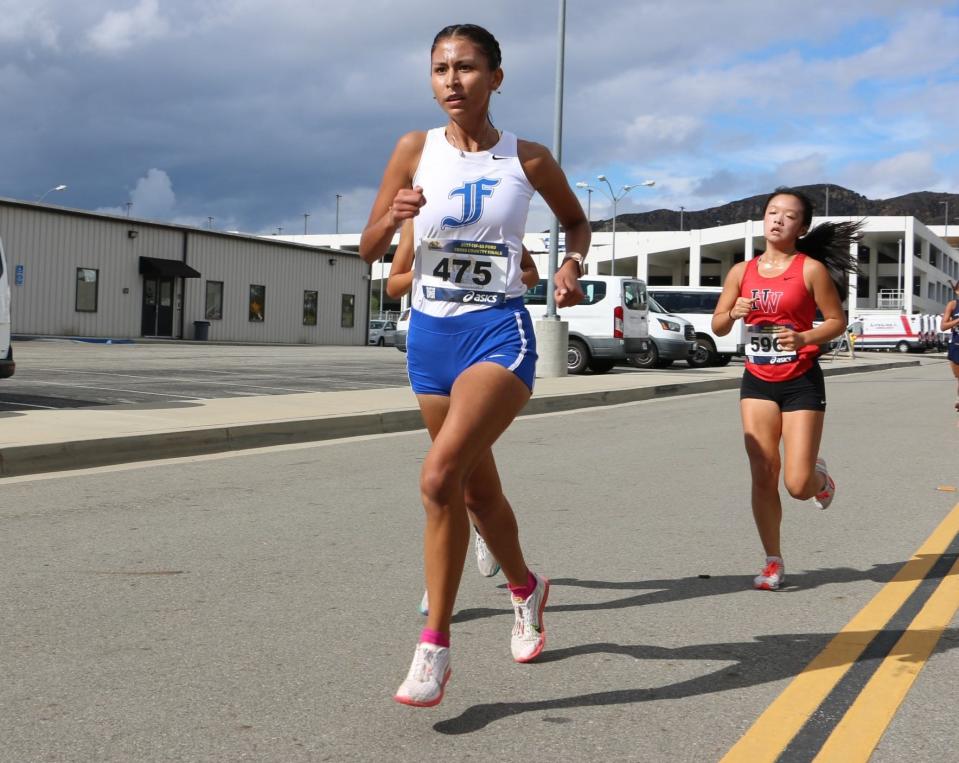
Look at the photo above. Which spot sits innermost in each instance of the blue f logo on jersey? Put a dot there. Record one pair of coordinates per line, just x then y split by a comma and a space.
473, 195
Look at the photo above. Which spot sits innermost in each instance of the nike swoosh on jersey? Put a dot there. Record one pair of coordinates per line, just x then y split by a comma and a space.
499, 157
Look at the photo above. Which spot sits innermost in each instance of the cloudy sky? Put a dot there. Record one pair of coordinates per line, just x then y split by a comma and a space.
256, 112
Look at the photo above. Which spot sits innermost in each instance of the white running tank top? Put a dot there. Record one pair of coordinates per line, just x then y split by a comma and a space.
468, 237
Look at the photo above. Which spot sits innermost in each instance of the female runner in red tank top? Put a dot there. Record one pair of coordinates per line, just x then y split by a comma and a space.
783, 395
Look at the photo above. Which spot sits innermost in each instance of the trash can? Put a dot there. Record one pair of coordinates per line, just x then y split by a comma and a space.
201, 330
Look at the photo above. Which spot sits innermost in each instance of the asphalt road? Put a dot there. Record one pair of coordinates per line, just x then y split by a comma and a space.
73, 374
262, 605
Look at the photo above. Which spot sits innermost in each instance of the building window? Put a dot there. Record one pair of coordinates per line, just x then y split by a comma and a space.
347, 308
257, 302
214, 301
862, 287
87, 282
310, 299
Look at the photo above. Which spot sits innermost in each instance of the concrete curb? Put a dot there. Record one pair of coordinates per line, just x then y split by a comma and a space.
82, 454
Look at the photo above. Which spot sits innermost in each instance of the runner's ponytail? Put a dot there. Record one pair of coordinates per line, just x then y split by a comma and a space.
829, 242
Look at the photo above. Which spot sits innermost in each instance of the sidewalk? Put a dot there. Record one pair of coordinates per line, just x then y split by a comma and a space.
41, 441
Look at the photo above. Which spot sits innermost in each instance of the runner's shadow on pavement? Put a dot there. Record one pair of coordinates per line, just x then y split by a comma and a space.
684, 589
764, 660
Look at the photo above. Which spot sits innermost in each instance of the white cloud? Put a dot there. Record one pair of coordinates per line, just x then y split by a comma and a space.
894, 175
118, 31
152, 198
32, 22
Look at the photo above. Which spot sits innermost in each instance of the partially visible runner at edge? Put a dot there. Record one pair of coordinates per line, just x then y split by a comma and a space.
783, 393
399, 284
471, 351
950, 322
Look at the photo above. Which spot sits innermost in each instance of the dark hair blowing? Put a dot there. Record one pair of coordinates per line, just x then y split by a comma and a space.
478, 36
828, 242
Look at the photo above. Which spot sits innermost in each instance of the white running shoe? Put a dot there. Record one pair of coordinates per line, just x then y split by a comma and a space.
428, 676
425, 604
824, 498
488, 566
772, 576
529, 633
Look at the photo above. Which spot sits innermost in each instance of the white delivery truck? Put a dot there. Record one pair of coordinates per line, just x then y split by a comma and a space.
888, 330
610, 324
7, 366
696, 304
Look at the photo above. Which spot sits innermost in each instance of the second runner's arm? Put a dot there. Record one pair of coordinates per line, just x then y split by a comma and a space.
730, 306
401, 269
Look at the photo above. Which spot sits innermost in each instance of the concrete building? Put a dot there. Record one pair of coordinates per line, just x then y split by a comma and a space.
903, 262
84, 274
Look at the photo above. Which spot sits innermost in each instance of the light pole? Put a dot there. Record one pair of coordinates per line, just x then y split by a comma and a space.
306, 217
129, 206
589, 199
615, 198
681, 210
827, 200
210, 222
51, 190
337, 227
945, 231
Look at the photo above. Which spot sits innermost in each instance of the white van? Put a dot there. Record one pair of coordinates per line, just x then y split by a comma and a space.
889, 330
610, 324
670, 338
696, 304
7, 366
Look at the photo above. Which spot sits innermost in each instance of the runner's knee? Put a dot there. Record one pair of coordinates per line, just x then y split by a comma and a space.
440, 482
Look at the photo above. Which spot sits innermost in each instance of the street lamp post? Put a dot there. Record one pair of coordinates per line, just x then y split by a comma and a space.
51, 190
681, 210
589, 199
615, 198
129, 206
337, 228
306, 217
945, 231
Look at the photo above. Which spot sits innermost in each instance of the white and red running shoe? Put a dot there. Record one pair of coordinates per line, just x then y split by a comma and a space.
428, 676
772, 576
824, 498
529, 634
485, 561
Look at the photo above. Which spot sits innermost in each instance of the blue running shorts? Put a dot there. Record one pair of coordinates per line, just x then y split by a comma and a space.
953, 353
438, 350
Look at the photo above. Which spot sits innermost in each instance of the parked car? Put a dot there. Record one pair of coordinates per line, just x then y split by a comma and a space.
670, 338
696, 305
382, 333
7, 366
402, 329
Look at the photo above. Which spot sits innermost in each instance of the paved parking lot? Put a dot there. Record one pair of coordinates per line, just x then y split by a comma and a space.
72, 374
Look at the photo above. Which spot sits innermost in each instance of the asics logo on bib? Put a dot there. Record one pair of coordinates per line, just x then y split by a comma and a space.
766, 300
474, 194
480, 298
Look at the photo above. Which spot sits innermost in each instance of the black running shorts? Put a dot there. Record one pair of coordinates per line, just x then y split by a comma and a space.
804, 393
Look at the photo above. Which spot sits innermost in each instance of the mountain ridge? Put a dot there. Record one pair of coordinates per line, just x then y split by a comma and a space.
923, 205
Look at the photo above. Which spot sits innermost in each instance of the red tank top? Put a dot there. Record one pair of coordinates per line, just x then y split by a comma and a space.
781, 300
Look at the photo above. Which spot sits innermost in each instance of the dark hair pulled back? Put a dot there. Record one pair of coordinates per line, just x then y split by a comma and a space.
478, 36
828, 242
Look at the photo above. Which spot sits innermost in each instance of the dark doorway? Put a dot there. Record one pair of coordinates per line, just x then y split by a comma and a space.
157, 307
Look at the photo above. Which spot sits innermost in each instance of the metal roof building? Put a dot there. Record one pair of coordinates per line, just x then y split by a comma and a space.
84, 274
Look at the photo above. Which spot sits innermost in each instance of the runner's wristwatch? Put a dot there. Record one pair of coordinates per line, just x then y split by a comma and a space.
577, 258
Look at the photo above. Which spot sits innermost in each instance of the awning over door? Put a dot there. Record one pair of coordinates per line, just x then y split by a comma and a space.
158, 268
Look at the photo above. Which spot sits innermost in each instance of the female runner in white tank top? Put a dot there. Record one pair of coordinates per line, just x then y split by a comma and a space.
471, 352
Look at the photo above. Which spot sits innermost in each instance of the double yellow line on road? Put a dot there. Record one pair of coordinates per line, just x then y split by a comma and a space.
856, 735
